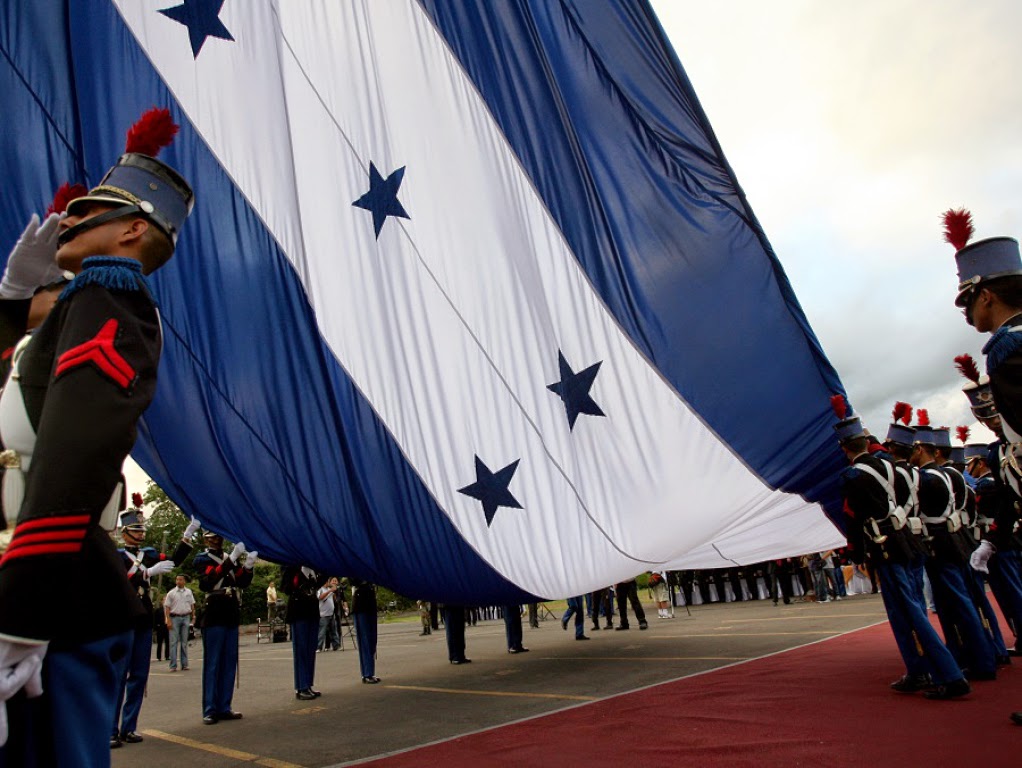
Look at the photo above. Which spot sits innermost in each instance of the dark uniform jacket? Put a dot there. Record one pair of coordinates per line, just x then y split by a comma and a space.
933, 500
86, 377
866, 499
903, 497
1004, 366
363, 599
139, 583
301, 589
997, 502
220, 578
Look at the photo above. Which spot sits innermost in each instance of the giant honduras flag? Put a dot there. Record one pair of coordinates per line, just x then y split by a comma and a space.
470, 305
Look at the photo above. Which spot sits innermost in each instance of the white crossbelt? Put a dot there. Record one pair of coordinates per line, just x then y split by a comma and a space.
19, 440
949, 515
895, 513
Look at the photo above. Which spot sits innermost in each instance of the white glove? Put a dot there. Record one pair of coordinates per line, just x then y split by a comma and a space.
33, 261
251, 558
164, 566
238, 551
191, 528
21, 666
978, 559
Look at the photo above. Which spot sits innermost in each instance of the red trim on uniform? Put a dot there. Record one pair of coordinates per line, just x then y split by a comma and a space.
39, 549
56, 521
6, 354
209, 569
99, 351
35, 538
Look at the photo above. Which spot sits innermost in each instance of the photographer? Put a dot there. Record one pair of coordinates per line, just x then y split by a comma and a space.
328, 635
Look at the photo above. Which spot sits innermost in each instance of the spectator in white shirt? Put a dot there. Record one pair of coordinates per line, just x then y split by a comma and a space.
179, 610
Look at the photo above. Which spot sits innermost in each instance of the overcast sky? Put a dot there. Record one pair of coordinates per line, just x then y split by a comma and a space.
852, 127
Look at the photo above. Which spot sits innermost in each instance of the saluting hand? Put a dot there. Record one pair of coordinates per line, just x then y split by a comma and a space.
33, 261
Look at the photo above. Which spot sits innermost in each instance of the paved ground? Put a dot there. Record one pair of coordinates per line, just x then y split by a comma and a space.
424, 699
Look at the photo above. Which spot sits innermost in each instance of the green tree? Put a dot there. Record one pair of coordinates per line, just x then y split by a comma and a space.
166, 521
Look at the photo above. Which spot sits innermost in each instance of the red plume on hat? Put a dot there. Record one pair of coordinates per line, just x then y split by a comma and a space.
967, 367
957, 227
902, 412
963, 434
840, 405
151, 132
923, 417
136, 499
64, 195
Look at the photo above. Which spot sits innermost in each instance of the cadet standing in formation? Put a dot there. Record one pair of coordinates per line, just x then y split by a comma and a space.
301, 583
990, 295
68, 418
221, 577
998, 543
880, 535
142, 564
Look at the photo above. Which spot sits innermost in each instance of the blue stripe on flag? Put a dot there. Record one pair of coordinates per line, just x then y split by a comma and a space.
653, 213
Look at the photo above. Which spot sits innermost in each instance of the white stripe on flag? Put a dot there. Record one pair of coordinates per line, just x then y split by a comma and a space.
451, 322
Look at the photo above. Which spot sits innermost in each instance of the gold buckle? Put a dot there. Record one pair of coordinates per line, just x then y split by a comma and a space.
10, 459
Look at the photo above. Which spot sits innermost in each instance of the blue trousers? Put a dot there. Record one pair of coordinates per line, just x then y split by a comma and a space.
917, 640
365, 632
129, 697
916, 663
964, 633
179, 640
576, 607
1006, 583
219, 666
69, 725
513, 625
304, 636
986, 613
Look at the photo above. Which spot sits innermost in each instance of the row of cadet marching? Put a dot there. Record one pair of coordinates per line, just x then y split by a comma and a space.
921, 506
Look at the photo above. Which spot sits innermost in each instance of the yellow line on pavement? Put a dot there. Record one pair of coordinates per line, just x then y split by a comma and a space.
234, 754
492, 693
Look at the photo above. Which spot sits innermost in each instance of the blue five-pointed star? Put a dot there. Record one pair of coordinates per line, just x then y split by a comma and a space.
381, 198
491, 488
202, 17
573, 389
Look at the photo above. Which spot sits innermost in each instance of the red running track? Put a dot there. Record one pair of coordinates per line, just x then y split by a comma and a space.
823, 705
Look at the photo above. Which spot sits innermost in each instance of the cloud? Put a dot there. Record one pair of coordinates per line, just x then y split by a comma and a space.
852, 127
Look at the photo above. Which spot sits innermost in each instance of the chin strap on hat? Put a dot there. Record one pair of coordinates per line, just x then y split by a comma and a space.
71, 233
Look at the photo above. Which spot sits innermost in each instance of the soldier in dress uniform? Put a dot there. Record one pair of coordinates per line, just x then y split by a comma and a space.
964, 509
222, 576
301, 584
68, 419
990, 296
142, 564
880, 536
900, 437
999, 553
947, 562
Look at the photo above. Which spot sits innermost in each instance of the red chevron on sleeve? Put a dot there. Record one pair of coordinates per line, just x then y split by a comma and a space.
100, 352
